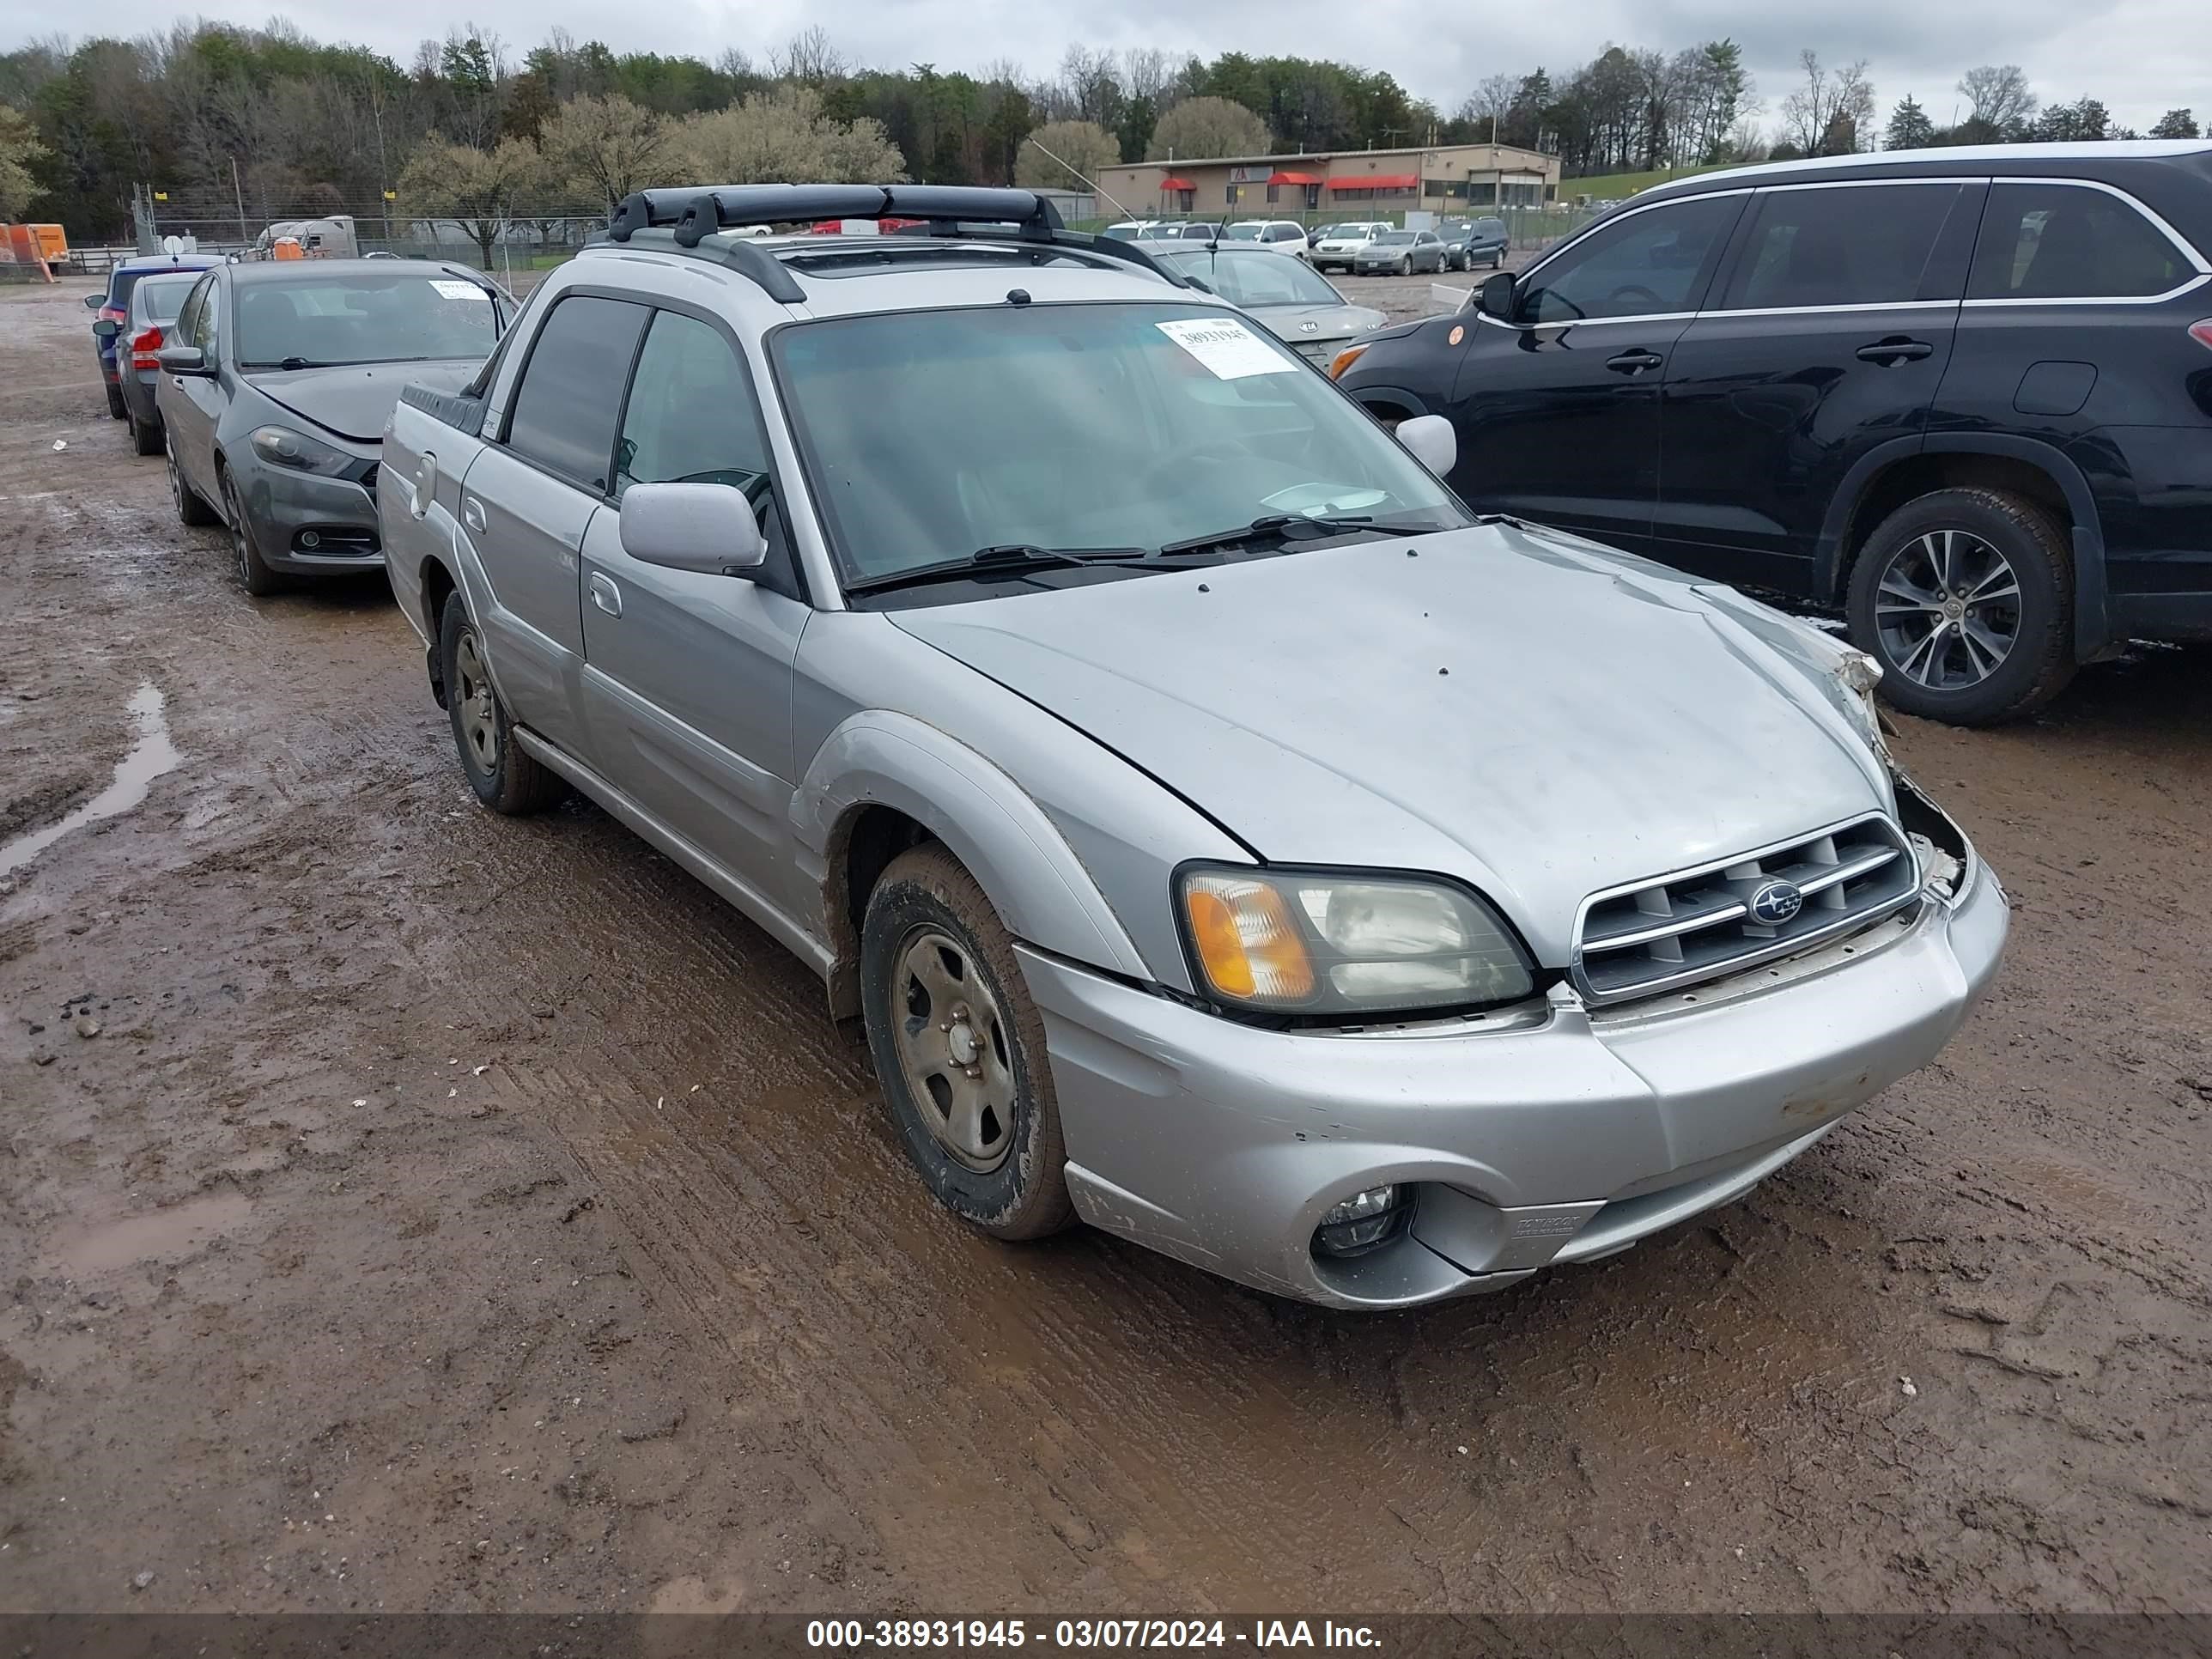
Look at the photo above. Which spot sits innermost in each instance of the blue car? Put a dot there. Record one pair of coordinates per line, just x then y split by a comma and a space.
113, 305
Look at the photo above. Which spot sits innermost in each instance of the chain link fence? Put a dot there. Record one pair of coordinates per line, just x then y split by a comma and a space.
531, 236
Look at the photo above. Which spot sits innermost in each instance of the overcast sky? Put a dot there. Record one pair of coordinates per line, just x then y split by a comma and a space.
2140, 57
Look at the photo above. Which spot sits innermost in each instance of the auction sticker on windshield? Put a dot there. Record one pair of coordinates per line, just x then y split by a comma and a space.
453, 290
1226, 347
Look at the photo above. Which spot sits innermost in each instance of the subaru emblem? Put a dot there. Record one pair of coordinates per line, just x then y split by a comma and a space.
1776, 902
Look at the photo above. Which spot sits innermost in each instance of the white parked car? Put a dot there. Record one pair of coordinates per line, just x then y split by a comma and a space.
1138, 230
1333, 247
1277, 235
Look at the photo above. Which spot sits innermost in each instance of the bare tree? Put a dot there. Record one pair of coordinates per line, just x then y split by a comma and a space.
1489, 103
1066, 155
610, 145
1207, 126
1824, 115
782, 135
809, 58
1998, 95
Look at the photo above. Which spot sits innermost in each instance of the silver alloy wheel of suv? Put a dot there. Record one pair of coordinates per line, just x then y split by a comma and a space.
1948, 606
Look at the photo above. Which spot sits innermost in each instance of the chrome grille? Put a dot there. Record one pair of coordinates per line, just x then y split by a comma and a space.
1699, 923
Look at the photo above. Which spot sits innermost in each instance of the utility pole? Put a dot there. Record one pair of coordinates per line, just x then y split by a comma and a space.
238, 193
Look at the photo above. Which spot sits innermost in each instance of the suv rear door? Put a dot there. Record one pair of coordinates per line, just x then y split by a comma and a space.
1827, 336
1558, 407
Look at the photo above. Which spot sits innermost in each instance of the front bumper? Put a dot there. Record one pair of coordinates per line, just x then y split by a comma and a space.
282, 506
1542, 1134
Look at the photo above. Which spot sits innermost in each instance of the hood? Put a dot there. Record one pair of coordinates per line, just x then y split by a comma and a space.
1514, 708
1293, 324
356, 399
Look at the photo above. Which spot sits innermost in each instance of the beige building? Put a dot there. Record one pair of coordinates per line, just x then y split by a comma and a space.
1349, 184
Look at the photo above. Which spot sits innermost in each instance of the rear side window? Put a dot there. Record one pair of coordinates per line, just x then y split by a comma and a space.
1650, 262
570, 396
2070, 242
1855, 246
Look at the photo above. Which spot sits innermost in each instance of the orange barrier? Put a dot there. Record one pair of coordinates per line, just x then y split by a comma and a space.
42, 246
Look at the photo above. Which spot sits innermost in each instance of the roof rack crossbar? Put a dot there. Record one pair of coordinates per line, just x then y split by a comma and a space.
691, 213
699, 210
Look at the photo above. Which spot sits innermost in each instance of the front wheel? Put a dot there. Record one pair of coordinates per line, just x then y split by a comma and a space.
1966, 597
255, 575
506, 779
960, 1049
1406, 265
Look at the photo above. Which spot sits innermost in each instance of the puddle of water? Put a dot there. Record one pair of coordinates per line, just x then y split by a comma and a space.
158, 1236
151, 755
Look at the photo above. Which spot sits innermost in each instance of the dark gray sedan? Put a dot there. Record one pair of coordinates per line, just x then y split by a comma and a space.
274, 390
1289, 298
1400, 252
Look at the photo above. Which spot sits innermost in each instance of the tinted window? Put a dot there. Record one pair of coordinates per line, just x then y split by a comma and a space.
188, 319
159, 299
691, 417
2068, 242
1652, 261
405, 317
1840, 247
206, 322
566, 406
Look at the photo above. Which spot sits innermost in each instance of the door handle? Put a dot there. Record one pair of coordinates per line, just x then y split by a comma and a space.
1896, 350
606, 594
473, 513
1634, 361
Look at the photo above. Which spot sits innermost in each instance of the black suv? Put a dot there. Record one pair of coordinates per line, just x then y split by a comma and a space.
1967, 394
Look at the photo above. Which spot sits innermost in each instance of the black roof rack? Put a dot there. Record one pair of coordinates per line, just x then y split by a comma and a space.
694, 213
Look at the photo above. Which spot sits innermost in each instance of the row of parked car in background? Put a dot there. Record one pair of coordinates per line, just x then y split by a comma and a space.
1365, 247
988, 685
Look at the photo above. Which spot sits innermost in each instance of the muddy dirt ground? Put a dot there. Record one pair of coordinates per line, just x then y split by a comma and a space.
457, 1212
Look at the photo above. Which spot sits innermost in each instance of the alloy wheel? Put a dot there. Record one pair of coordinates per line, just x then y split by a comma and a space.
951, 1042
1948, 610
472, 689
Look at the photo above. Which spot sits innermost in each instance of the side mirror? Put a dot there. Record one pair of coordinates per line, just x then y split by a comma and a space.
1496, 296
1430, 441
188, 360
106, 328
93, 302
708, 528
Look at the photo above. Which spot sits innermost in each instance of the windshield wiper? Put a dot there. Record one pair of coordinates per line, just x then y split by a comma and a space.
1008, 558
1279, 524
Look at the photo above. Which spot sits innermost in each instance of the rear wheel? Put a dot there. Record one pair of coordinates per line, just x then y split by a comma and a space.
145, 436
505, 779
1966, 596
960, 1049
116, 409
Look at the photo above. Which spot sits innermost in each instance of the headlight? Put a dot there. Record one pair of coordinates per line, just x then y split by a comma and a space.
282, 447
1318, 942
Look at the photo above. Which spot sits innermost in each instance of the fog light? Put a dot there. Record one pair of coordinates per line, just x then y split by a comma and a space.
1360, 1222
309, 538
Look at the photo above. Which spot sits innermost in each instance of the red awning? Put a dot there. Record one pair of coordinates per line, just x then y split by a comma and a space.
1295, 179
1377, 181
1177, 184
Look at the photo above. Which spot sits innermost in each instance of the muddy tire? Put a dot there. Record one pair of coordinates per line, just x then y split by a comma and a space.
960, 1049
1966, 597
116, 409
505, 779
254, 573
192, 511
145, 438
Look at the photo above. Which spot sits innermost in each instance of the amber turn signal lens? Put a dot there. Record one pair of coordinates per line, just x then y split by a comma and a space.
1246, 941
1344, 360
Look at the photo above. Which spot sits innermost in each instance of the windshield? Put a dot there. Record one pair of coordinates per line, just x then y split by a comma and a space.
1242, 233
1261, 277
930, 436
351, 318
1394, 237
159, 299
